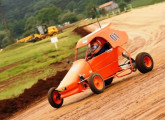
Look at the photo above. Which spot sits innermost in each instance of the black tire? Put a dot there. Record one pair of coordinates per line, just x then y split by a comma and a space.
50, 98
144, 62
33, 39
37, 39
99, 88
108, 81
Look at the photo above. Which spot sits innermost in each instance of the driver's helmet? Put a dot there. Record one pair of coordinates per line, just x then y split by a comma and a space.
95, 46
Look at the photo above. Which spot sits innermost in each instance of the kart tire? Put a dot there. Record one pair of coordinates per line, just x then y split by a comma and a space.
144, 62
108, 82
96, 83
54, 98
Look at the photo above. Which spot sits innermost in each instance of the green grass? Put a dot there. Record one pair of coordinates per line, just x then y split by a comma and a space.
138, 3
34, 57
18, 87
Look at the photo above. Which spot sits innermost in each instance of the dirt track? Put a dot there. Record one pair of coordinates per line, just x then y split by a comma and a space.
138, 96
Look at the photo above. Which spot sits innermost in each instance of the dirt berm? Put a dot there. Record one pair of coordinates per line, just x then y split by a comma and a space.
31, 95
137, 96
82, 31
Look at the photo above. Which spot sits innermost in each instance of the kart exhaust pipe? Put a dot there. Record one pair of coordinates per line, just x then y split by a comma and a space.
124, 54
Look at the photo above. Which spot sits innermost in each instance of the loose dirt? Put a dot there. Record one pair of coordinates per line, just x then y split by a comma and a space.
137, 96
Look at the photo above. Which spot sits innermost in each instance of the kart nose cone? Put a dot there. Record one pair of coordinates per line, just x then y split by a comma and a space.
71, 79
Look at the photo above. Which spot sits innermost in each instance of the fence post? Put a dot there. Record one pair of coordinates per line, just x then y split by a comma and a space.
131, 6
119, 11
125, 9
113, 13
56, 45
54, 40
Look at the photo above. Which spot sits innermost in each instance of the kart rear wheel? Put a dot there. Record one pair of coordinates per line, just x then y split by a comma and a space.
96, 83
144, 62
54, 98
108, 82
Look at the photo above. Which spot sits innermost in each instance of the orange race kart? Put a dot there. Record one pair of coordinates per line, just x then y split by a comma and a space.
97, 72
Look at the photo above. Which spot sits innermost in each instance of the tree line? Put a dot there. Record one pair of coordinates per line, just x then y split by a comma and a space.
25, 15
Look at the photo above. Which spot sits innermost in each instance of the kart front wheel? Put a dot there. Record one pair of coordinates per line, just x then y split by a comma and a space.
144, 62
96, 83
54, 98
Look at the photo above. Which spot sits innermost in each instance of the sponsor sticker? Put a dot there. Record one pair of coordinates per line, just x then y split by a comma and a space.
84, 41
114, 36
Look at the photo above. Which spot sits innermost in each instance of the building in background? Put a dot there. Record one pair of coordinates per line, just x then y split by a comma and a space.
109, 6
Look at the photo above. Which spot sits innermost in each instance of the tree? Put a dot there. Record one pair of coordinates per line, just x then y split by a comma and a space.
4, 41
122, 5
46, 15
127, 1
68, 16
71, 6
121, 1
90, 12
18, 27
6, 25
80, 16
103, 12
30, 26
31, 23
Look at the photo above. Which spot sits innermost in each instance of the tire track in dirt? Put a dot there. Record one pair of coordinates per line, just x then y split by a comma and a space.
9, 66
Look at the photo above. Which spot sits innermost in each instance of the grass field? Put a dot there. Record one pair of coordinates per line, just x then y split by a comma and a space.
138, 3
33, 57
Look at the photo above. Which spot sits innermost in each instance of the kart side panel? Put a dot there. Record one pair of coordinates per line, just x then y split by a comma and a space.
105, 64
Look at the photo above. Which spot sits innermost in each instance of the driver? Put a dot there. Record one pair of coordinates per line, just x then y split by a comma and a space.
95, 48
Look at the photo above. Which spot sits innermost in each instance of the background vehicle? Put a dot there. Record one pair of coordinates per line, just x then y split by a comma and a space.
97, 72
47, 32
30, 38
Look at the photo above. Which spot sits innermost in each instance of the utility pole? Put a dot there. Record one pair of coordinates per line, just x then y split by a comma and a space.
5, 23
96, 12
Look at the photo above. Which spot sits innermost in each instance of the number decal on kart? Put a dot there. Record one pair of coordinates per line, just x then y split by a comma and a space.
114, 36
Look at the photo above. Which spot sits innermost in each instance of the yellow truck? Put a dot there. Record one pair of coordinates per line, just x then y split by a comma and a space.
45, 32
30, 38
